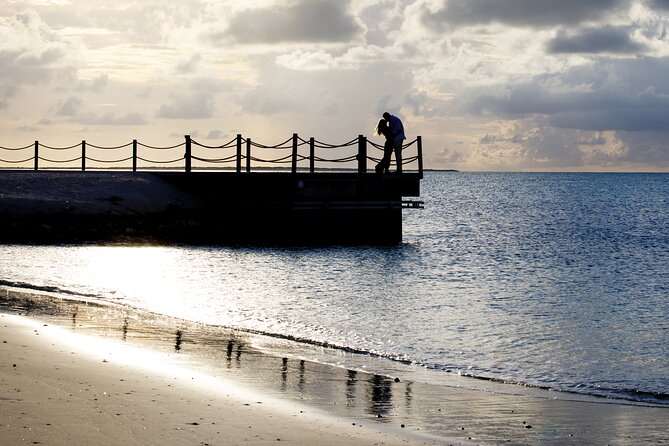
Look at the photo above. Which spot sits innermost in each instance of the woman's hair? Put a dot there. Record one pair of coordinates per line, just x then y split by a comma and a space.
381, 127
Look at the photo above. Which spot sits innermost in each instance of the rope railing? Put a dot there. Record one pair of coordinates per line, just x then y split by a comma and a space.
243, 156
337, 160
229, 159
110, 147
146, 146
16, 161
323, 145
378, 146
13, 149
281, 145
227, 145
160, 161
283, 160
60, 161
122, 160
60, 148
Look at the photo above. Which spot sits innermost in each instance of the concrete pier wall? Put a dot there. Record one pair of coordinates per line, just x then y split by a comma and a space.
203, 207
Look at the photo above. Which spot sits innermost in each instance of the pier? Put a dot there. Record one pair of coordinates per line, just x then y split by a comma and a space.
297, 192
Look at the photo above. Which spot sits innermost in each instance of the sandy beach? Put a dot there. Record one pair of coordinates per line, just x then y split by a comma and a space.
63, 388
73, 372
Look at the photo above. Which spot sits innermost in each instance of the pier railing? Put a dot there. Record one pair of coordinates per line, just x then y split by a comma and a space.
239, 155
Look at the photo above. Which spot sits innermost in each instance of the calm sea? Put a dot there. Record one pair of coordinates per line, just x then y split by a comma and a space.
559, 281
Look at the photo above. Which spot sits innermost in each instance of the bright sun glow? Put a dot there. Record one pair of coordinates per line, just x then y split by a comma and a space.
151, 273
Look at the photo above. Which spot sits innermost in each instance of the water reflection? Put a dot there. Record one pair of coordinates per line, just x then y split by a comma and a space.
177, 341
125, 329
300, 377
284, 373
408, 394
233, 346
351, 382
381, 396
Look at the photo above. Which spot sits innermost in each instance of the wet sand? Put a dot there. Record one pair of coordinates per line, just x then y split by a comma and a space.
77, 372
63, 388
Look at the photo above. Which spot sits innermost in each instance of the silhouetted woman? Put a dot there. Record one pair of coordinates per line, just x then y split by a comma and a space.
383, 129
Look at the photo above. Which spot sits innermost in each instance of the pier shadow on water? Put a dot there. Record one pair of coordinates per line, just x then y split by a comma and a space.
417, 408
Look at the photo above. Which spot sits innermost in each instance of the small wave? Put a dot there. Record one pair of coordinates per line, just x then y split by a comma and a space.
47, 289
633, 395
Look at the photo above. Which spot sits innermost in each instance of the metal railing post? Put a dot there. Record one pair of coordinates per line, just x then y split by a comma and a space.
83, 155
293, 167
248, 155
134, 155
419, 146
188, 154
362, 154
312, 155
36, 155
239, 153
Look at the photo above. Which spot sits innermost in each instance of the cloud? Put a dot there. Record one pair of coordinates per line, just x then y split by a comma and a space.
421, 104
606, 39
301, 21
7, 92
189, 66
95, 85
111, 119
69, 107
216, 134
528, 144
198, 105
351, 59
30, 52
265, 101
645, 148
520, 13
447, 157
609, 94
598, 139
662, 5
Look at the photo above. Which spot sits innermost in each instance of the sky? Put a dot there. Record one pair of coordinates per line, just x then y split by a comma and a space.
490, 85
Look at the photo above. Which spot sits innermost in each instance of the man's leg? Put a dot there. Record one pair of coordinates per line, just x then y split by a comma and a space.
398, 155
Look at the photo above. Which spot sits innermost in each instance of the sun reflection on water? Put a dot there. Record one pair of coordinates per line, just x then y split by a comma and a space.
153, 276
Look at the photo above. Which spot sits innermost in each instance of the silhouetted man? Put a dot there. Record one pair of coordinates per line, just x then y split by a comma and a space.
397, 135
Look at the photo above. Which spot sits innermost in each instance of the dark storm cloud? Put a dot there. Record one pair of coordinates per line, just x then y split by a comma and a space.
532, 13
607, 39
629, 95
303, 21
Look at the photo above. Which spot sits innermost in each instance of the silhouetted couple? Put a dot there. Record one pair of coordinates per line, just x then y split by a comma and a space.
392, 129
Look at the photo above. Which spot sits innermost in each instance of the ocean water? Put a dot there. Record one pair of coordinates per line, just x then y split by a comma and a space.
559, 281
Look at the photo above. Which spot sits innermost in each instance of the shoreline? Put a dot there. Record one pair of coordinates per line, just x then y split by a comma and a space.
448, 414
61, 387
62, 303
